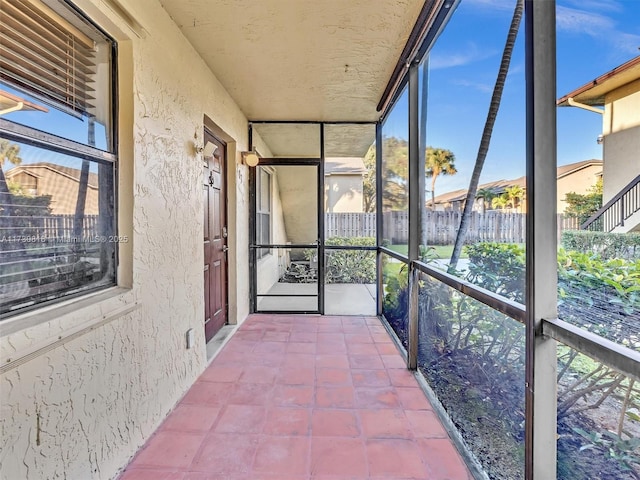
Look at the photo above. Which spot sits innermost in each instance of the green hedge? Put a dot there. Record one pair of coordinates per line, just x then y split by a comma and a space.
605, 245
350, 266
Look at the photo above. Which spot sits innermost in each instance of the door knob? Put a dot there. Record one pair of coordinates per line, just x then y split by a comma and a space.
225, 249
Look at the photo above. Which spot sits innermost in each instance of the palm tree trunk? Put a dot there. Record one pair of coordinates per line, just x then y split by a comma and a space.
83, 184
422, 148
433, 192
496, 97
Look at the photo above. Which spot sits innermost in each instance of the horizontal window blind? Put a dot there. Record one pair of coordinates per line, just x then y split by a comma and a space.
43, 54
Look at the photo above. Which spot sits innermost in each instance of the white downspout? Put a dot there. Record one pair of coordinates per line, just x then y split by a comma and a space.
573, 103
15, 108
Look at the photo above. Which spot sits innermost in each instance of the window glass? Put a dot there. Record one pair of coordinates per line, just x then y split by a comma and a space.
57, 233
56, 73
263, 210
57, 216
395, 176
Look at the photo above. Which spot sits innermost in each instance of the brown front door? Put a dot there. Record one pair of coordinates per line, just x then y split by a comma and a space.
215, 238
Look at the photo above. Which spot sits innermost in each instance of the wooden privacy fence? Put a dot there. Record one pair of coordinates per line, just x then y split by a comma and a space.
441, 227
61, 226
350, 225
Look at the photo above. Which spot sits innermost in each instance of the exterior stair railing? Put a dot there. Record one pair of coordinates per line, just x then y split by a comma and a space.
614, 213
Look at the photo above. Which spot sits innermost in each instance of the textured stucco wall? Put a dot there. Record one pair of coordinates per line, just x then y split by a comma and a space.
85, 383
271, 266
343, 193
298, 193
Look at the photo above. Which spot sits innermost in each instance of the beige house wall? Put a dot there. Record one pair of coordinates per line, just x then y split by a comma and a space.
621, 108
273, 265
578, 182
63, 191
621, 130
343, 193
299, 202
93, 377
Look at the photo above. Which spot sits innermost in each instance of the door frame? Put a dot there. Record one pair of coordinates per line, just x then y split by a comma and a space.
207, 131
253, 262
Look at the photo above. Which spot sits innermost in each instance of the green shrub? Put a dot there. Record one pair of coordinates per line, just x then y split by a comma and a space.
350, 266
498, 267
604, 244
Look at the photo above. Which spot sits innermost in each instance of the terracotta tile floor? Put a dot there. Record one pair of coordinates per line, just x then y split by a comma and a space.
302, 397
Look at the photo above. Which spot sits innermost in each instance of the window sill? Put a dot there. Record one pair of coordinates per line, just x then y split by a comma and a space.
32, 334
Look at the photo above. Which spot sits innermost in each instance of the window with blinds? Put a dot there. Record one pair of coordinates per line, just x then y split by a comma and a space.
58, 65
57, 154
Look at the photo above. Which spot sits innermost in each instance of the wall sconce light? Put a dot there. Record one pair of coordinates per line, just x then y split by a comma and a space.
600, 139
251, 159
208, 150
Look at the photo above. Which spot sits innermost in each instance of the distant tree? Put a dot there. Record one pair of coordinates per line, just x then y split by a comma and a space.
500, 201
395, 173
582, 206
369, 181
9, 152
486, 195
514, 195
439, 161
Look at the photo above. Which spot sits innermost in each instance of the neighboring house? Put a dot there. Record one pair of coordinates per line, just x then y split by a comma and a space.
577, 177
62, 183
343, 184
618, 91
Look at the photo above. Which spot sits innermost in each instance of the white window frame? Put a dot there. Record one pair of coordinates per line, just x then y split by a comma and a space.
16, 132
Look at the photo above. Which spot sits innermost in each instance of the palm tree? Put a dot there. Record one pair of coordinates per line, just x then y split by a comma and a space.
494, 106
500, 202
439, 161
9, 152
514, 195
486, 195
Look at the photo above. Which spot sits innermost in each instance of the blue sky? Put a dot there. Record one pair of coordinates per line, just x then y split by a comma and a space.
593, 37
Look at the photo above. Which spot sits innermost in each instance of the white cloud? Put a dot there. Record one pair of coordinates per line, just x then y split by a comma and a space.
597, 25
592, 5
482, 87
471, 54
627, 43
580, 21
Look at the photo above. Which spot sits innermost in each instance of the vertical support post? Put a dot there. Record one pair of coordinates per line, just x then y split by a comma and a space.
253, 283
321, 258
379, 223
414, 215
541, 241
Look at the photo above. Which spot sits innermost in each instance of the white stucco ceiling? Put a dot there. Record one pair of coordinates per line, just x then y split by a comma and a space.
303, 140
326, 60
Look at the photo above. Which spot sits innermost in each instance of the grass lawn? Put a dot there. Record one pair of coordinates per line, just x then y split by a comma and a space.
436, 251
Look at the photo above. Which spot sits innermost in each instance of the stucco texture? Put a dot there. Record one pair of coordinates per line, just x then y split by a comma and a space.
78, 402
